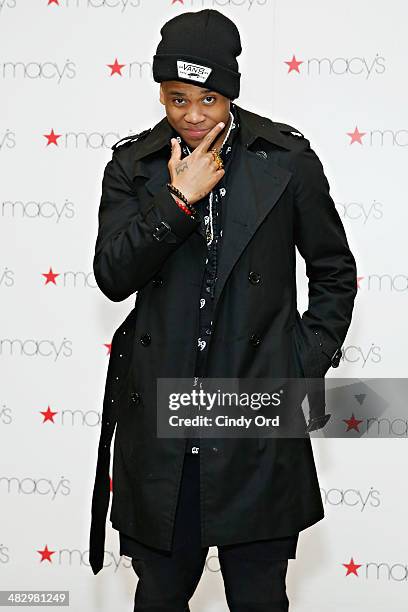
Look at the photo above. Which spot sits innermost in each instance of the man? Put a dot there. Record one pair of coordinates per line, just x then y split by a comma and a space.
201, 216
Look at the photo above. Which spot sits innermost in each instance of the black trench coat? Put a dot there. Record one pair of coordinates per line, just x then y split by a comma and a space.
278, 198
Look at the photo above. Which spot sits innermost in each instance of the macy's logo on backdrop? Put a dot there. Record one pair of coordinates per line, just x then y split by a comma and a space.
360, 355
222, 3
7, 140
383, 282
75, 556
72, 418
95, 4
93, 140
5, 4
396, 572
356, 66
35, 70
4, 554
353, 498
358, 211
383, 427
35, 348
17, 209
69, 279
34, 486
6, 415
129, 68
380, 138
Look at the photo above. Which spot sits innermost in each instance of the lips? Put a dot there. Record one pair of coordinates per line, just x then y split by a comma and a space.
197, 133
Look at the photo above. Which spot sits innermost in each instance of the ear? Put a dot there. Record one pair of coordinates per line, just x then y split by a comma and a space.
161, 94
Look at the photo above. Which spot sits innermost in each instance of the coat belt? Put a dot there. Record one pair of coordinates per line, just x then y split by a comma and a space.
118, 368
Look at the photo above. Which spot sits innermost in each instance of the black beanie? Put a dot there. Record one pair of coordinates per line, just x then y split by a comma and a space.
200, 48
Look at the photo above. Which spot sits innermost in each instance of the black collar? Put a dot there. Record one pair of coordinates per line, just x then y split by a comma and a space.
252, 126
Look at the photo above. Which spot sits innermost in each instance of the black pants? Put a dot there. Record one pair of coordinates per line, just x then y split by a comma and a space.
254, 573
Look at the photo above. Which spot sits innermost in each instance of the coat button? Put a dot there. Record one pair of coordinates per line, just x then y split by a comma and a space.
254, 339
135, 397
145, 339
254, 277
335, 360
215, 449
157, 282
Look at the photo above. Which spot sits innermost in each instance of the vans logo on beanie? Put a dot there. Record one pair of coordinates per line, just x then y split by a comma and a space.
195, 72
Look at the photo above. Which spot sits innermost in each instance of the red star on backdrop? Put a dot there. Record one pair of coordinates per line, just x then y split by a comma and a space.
46, 554
52, 137
50, 276
356, 136
116, 67
359, 279
352, 567
48, 415
353, 423
174, 1
108, 346
293, 64
53, 2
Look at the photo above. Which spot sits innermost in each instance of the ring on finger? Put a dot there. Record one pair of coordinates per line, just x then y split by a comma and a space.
217, 159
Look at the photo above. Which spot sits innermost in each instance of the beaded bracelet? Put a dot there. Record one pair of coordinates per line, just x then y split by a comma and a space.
183, 207
182, 197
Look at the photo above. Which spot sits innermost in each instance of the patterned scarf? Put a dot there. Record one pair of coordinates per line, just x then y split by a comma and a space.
211, 223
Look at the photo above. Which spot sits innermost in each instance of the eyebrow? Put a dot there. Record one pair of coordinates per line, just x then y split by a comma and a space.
181, 93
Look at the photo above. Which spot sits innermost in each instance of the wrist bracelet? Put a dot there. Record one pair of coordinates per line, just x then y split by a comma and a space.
183, 207
182, 197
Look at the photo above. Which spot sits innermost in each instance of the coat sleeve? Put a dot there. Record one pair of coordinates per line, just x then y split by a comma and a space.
330, 265
134, 240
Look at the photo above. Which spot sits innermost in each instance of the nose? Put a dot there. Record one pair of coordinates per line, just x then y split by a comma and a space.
194, 117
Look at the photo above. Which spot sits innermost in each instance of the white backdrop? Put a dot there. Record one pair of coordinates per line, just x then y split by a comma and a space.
55, 79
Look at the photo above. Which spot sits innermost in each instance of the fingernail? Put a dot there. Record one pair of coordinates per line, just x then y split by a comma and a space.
221, 124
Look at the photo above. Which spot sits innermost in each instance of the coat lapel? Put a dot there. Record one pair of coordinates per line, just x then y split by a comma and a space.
249, 201
247, 204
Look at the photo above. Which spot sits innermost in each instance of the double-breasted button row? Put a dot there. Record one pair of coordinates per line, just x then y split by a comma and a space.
254, 277
145, 339
255, 339
135, 397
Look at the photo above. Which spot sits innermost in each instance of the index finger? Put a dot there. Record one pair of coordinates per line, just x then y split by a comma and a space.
208, 138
